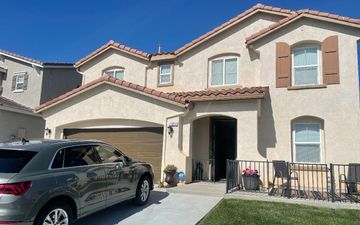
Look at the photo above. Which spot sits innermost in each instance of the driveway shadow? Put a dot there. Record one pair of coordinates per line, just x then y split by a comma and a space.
117, 213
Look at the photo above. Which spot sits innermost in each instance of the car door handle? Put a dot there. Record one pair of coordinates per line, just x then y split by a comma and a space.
91, 175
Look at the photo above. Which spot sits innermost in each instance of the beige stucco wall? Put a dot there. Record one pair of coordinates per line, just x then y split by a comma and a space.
191, 68
11, 122
337, 105
29, 97
135, 68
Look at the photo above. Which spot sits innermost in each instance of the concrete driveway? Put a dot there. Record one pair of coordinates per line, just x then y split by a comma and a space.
162, 208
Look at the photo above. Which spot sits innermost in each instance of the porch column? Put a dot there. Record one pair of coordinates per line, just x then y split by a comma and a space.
247, 135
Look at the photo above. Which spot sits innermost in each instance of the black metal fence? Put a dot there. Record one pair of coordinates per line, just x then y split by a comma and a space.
333, 182
203, 170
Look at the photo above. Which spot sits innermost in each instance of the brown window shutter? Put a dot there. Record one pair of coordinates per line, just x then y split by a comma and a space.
330, 53
13, 83
26, 80
283, 65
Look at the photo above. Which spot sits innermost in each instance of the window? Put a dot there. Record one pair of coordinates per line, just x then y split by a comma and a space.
80, 156
165, 74
58, 160
19, 82
305, 68
224, 71
14, 161
108, 154
118, 73
307, 144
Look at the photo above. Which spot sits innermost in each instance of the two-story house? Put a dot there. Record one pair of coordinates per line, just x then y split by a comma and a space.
268, 84
24, 84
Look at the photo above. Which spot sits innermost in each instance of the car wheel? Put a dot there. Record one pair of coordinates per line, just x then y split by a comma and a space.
142, 191
56, 214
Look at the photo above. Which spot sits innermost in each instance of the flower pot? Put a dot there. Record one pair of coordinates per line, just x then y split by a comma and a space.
169, 177
251, 182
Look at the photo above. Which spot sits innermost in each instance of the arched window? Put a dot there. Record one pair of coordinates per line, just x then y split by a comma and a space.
307, 138
117, 72
223, 70
306, 65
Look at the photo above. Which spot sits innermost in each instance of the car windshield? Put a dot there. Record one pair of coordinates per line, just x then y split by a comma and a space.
13, 161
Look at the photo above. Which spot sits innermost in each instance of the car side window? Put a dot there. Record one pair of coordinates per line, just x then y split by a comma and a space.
80, 156
58, 160
109, 154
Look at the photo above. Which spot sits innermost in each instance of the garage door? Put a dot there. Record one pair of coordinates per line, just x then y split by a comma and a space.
143, 144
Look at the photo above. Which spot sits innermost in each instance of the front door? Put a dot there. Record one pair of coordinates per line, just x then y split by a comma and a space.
223, 144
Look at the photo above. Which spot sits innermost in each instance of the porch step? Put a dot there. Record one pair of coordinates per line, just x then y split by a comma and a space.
200, 188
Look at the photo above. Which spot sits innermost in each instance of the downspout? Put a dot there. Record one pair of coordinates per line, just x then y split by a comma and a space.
82, 74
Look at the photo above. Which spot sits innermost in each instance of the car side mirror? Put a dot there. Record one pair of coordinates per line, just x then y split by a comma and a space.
127, 159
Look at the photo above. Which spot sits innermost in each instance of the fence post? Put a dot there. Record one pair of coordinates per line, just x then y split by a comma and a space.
267, 175
332, 182
289, 180
227, 176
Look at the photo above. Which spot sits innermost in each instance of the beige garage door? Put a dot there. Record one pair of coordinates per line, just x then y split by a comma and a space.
143, 144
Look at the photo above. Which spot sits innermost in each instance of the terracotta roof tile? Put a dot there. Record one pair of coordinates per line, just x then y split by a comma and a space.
231, 21
114, 45
177, 97
14, 105
293, 16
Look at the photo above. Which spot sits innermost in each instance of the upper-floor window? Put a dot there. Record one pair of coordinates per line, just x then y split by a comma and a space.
165, 74
223, 71
305, 67
18, 84
118, 73
307, 142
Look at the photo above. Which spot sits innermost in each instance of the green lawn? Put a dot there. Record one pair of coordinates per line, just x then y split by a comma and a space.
235, 211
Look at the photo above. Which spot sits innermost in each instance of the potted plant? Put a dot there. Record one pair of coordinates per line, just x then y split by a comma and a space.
251, 179
170, 171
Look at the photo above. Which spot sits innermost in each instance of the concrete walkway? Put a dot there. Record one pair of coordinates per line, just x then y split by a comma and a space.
163, 208
216, 189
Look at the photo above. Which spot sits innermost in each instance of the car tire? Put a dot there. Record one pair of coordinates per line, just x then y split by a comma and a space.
142, 191
63, 211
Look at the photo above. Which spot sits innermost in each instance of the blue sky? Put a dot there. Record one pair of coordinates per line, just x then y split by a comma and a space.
68, 30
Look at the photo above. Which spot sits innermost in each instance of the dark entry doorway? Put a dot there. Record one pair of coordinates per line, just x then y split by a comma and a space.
223, 143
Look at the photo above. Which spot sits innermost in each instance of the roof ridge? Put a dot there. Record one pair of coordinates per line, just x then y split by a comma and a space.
298, 14
258, 6
114, 44
21, 57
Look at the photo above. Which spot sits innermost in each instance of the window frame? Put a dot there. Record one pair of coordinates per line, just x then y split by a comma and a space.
114, 69
224, 58
17, 75
317, 47
320, 140
107, 146
171, 82
64, 149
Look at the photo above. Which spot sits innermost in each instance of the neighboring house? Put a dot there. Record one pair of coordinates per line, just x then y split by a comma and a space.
26, 83
18, 121
268, 84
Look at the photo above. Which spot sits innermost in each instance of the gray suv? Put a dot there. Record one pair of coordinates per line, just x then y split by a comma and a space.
55, 182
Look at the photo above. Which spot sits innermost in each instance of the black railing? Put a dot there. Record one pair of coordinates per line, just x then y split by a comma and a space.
334, 182
203, 170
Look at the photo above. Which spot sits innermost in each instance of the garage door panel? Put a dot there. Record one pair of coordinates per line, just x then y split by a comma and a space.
143, 144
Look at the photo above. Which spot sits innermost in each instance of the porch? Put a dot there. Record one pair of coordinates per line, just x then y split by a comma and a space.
326, 182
